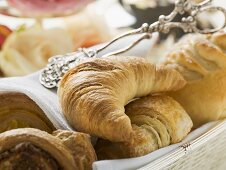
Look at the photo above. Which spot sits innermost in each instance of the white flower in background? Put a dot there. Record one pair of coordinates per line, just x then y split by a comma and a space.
26, 51
88, 28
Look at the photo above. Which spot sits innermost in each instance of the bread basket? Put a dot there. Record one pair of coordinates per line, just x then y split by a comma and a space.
205, 150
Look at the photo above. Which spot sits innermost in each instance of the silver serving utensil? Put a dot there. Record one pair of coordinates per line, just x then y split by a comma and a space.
59, 65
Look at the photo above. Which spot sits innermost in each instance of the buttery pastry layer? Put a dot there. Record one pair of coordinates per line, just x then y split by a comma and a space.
202, 61
80, 147
157, 121
94, 93
35, 149
27, 156
19, 111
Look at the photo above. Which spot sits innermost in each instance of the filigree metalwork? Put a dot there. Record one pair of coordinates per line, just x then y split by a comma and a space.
59, 65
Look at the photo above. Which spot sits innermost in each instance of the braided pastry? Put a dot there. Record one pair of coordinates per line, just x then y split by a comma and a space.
201, 60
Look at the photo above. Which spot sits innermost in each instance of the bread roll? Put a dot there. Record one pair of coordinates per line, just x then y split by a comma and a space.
94, 93
157, 121
19, 111
34, 149
201, 60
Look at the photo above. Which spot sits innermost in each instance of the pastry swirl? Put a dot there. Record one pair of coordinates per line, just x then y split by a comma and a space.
157, 121
19, 111
93, 94
29, 148
26, 155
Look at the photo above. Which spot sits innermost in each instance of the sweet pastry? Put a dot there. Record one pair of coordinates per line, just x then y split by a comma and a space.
28, 49
80, 147
34, 149
157, 121
202, 61
19, 111
93, 94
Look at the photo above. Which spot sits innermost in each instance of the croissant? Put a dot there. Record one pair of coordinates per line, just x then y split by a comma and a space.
202, 61
35, 149
94, 93
157, 121
19, 111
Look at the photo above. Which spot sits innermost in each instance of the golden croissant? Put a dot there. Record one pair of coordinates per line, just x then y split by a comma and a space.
29, 148
202, 61
157, 121
19, 111
93, 94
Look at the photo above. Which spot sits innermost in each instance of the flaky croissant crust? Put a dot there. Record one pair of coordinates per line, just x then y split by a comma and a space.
18, 111
157, 121
201, 59
94, 93
197, 56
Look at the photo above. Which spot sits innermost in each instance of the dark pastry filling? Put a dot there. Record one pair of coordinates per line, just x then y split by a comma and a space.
26, 156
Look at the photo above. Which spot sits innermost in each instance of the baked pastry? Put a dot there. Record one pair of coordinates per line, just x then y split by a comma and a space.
29, 148
93, 94
80, 147
28, 50
19, 111
202, 61
157, 121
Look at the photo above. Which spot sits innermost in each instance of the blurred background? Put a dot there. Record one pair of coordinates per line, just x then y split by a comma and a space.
33, 31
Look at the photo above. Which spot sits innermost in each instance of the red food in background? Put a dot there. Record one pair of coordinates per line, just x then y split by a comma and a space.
4, 33
47, 7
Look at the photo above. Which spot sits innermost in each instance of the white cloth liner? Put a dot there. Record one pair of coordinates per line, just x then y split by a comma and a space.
47, 100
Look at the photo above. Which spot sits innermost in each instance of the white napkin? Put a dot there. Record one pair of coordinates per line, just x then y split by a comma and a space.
47, 100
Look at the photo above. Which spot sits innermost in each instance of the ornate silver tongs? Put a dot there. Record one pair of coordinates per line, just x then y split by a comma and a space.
58, 65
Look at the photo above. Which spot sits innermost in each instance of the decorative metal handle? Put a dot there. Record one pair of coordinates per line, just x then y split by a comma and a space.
59, 65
